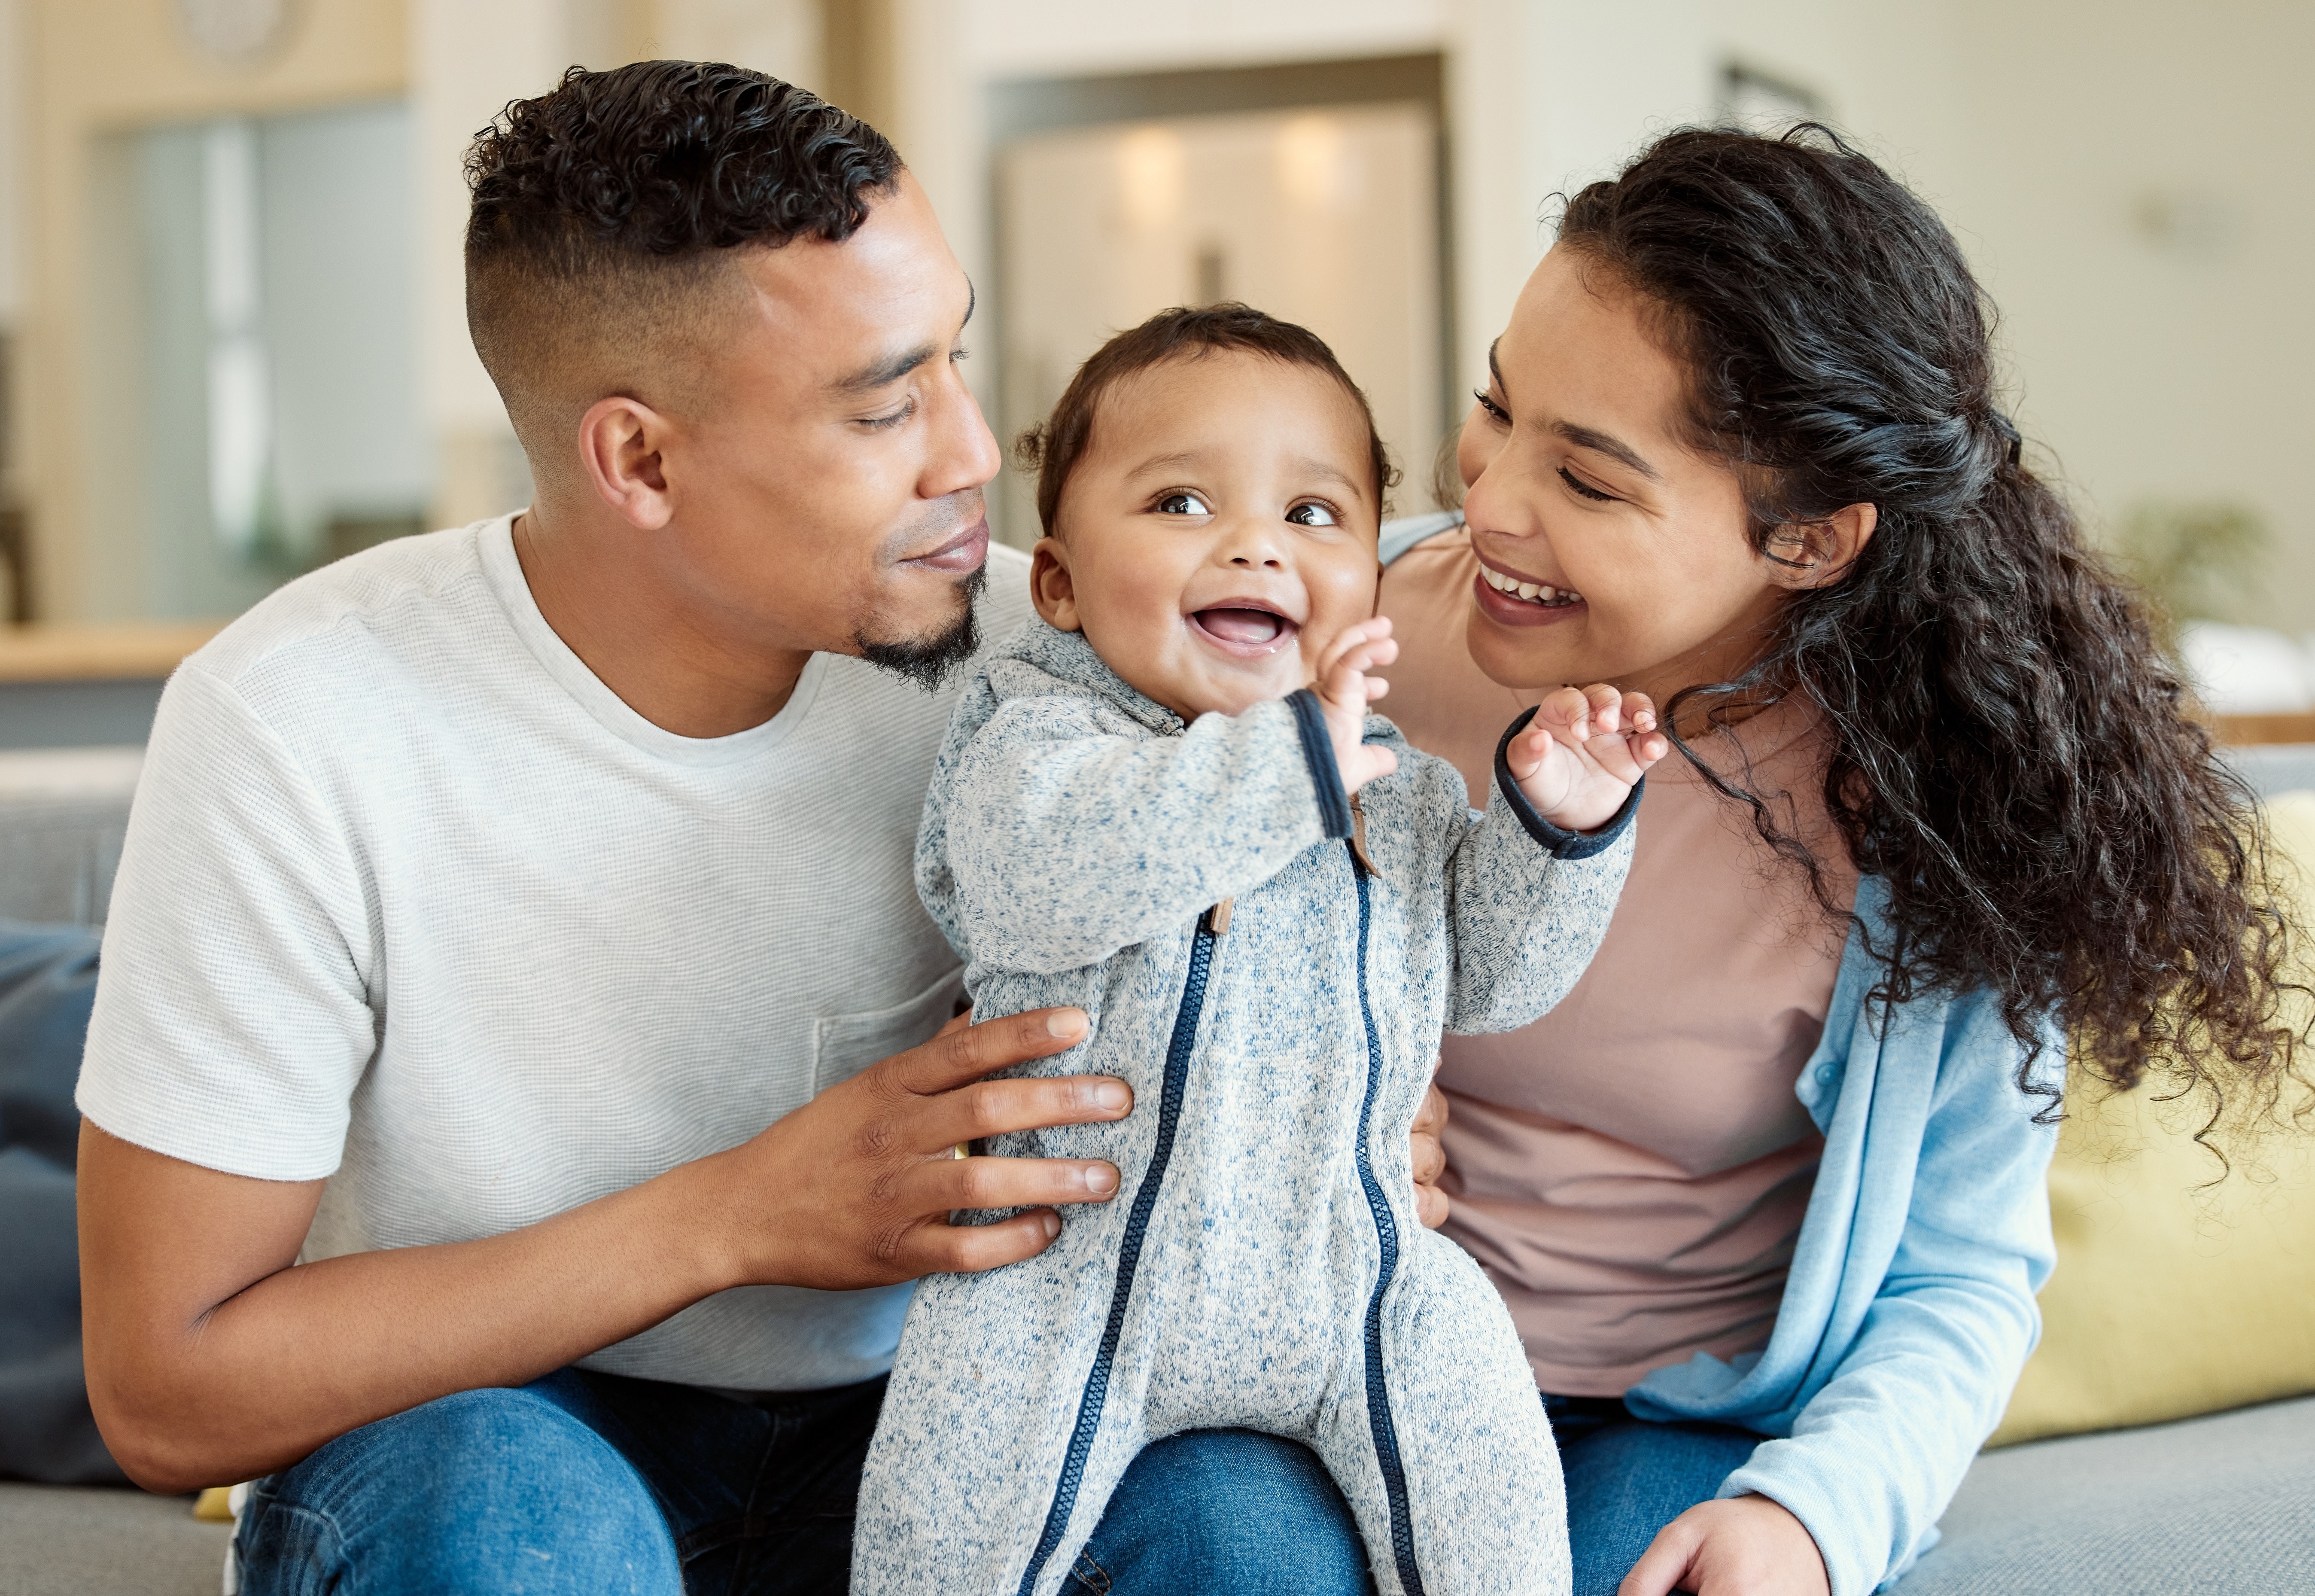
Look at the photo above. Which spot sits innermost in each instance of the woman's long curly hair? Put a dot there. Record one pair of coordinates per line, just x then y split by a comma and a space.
2012, 752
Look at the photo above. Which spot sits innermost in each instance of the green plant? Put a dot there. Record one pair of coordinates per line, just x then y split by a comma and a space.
2200, 561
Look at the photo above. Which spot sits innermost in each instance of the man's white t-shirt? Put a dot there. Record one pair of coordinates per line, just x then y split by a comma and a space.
411, 903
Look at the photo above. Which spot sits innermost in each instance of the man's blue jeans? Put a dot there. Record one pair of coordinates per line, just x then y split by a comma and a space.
597, 1486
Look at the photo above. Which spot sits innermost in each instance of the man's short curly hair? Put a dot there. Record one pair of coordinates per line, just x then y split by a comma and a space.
604, 213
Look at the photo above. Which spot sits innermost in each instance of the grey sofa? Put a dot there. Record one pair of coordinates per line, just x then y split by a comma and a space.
2224, 1505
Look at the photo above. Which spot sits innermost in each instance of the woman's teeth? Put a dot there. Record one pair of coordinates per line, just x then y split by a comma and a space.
1533, 592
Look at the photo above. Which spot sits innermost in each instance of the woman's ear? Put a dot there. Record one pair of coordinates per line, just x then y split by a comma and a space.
1818, 554
1051, 587
620, 443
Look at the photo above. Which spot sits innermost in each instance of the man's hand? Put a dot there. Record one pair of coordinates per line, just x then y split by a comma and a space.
1580, 757
1746, 1546
883, 1147
211, 1359
1431, 1204
1345, 689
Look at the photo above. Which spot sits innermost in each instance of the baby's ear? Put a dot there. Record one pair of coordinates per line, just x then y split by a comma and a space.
1052, 588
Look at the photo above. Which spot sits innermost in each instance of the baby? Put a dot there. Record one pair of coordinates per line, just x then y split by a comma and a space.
1269, 906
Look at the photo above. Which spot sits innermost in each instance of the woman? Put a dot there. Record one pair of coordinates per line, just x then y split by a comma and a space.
1765, 1193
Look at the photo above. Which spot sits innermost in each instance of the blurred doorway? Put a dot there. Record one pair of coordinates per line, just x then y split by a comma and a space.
1310, 192
254, 374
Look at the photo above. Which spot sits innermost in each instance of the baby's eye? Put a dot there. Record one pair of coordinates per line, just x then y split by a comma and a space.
1183, 504
1312, 515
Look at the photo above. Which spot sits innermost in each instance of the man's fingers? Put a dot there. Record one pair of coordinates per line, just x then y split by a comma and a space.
955, 1057
996, 1108
968, 1249
942, 1185
1430, 1160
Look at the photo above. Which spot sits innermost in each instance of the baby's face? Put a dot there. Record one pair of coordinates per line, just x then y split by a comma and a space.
1220, 530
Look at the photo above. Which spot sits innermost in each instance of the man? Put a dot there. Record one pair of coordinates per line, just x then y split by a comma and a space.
489, 895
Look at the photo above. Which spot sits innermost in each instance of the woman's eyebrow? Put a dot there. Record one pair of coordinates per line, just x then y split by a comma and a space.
1588, 438
1615, 448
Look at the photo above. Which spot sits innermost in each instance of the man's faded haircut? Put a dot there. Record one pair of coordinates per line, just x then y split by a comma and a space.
598, 252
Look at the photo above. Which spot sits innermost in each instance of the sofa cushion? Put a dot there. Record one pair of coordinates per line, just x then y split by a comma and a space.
48, 978
2218, 1506
2175, 1292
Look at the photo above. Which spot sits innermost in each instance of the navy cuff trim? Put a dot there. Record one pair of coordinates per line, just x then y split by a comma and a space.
1562, 843
1318, 752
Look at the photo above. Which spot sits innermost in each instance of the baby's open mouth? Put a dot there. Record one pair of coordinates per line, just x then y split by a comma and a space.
1243, 629
1542, 593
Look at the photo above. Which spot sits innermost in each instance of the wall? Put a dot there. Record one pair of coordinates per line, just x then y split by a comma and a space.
2142, 201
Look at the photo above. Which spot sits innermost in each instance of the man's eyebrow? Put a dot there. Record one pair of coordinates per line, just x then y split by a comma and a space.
1615, 448
892, 367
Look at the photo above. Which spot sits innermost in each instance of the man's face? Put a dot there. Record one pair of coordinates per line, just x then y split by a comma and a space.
827, 486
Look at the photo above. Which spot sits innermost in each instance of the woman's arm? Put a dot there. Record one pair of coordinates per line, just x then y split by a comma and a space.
1876, 1454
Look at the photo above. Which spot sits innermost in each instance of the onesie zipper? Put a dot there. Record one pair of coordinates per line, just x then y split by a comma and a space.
1211, 927
1386, 1433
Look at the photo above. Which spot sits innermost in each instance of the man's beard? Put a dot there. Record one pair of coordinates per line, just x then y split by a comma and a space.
928, 661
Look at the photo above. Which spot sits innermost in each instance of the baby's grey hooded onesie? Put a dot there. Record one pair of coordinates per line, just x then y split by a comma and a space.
1262, 1266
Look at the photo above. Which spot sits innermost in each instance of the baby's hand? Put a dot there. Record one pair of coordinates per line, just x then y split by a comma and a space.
1345, 689
1579, 759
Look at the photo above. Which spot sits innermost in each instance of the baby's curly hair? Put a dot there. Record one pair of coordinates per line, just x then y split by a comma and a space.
605, 210
1052, 449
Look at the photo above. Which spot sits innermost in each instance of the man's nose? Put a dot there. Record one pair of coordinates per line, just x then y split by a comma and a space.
963, 453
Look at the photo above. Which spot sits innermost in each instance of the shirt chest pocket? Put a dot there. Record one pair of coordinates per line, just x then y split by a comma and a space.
843, 1045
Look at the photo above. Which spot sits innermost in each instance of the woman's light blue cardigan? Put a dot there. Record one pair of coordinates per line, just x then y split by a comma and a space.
1909, 1308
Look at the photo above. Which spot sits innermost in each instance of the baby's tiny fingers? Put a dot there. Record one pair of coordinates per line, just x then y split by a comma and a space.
1639, 712
1564, 709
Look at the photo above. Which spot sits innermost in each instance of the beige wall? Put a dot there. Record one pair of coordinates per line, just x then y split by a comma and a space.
2140, 198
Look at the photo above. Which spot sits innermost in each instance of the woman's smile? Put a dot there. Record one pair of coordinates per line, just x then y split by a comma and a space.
1516, 601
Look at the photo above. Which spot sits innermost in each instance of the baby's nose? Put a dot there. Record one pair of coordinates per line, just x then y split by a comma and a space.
1267, 563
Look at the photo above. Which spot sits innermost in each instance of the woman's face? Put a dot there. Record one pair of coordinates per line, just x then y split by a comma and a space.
1626, 550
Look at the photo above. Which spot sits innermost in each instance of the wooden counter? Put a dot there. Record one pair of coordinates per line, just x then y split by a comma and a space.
129, 651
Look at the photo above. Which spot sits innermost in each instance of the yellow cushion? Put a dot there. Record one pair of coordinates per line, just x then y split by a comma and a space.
2174, 1297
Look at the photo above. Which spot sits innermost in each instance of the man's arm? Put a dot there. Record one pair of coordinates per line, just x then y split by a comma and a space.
210, 1358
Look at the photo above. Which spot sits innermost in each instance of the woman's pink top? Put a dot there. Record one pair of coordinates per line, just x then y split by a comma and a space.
1632, 1169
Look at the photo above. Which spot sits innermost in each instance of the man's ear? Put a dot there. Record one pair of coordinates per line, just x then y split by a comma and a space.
620, 446
1052, 588
1818, 554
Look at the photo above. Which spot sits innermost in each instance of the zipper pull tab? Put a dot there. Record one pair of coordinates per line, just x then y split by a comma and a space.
1358, 837
1218, 919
